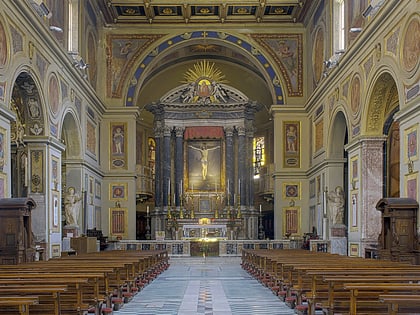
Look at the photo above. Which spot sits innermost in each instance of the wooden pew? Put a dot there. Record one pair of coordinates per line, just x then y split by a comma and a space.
21, 302
394, 302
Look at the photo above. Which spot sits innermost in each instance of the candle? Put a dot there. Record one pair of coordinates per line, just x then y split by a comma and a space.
260, 209
169, 186
180, 188
147, 210
228, 187
239, 187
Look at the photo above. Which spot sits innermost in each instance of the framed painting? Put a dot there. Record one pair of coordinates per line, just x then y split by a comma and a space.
55, 171
204, 164
291, 221
354, 172
2, 91
55, 250
291, 144
411, 186
55, 217
411, 143
118, 145
118, 222
91, 138
354, 212
291, 191
354, 250
97, 189
118, 191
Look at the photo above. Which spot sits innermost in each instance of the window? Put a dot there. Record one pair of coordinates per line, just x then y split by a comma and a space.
259, 155
73, 38
339, 25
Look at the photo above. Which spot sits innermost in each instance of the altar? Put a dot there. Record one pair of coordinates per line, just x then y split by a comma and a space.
204, 231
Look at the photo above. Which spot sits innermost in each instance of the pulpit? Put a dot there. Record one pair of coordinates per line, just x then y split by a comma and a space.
398, 238
16, 242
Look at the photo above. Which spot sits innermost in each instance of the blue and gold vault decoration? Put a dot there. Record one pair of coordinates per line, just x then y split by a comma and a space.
160, 11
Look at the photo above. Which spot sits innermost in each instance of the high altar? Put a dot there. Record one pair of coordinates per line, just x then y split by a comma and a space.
204, 133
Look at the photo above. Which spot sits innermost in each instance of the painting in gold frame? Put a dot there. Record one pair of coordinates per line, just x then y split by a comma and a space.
291, 191
291, 144
354, 212
354, 250
411, 144
118, 145
55, 214
55, 250
118, 191
411, 186
291, 221
118, 222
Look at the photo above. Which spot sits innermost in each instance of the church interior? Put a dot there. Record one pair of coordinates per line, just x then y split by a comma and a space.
151, 121
262, 155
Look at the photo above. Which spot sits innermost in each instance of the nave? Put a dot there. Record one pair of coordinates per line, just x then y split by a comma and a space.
207, 286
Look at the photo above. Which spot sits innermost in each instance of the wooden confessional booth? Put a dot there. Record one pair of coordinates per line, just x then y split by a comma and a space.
16, 243
398, 238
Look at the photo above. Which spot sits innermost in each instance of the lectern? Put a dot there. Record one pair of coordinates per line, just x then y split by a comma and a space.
16, 243
398, 238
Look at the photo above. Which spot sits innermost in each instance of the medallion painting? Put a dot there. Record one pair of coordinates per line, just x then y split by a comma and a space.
204, 164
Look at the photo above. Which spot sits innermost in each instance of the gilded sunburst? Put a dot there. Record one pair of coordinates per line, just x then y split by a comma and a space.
204, 69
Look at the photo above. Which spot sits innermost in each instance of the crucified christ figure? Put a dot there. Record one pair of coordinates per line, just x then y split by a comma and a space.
204, 151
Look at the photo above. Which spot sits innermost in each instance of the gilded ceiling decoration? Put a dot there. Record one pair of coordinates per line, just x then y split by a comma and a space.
160, 11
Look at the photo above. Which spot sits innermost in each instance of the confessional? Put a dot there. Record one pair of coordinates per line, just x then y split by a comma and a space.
16, 241
398, 238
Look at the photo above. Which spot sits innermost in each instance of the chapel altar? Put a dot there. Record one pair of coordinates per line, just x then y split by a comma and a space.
204, 186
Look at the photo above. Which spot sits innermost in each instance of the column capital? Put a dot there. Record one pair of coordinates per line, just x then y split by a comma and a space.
229, 131
241, 130
167, 130
179, 131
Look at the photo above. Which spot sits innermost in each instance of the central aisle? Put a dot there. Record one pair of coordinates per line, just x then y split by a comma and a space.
211, 286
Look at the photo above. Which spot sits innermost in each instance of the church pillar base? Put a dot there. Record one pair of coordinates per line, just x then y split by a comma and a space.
338, 239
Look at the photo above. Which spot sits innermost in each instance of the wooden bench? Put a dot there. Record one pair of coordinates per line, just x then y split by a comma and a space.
21, 302
394, 301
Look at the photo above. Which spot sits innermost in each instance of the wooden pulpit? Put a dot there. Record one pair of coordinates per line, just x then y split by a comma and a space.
16, 243
398, 238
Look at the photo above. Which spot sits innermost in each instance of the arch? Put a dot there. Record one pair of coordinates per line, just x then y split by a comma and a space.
261, 61
71, 135
383, 98
337, 135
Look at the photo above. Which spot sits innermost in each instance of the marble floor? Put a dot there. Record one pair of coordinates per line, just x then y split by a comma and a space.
205, 286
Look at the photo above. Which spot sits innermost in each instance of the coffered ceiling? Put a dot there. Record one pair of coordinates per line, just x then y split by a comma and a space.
203, 11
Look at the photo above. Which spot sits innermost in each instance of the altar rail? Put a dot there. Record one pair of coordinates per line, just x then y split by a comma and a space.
227, 248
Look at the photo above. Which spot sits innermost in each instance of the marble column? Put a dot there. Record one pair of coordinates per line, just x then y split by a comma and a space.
179, 164
230, 167
166, 165
249, 201
242, 156
158, 173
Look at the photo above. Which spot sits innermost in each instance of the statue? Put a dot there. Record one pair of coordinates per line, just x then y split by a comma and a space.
336, 199
204, 151
72, 205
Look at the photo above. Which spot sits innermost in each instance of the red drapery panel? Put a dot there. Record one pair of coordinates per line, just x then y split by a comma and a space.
203, 132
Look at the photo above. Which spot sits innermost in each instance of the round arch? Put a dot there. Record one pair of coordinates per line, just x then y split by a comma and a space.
260, 61
337, 135
71, 135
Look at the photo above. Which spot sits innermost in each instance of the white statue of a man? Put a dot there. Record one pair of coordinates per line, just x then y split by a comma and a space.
72, 205
336, 199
